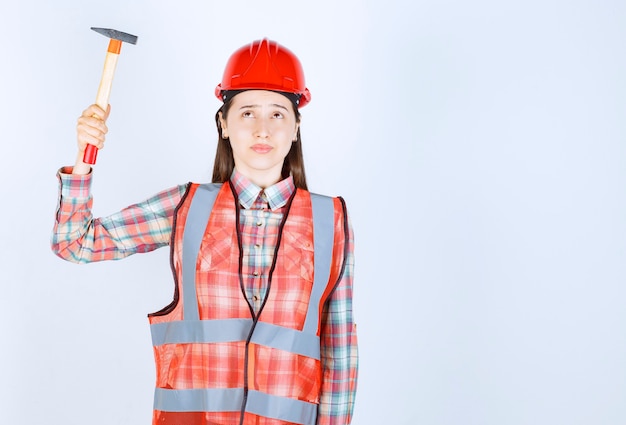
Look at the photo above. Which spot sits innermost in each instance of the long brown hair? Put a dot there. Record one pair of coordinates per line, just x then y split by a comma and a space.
224, 163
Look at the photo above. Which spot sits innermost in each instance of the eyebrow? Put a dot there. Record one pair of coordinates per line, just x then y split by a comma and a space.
276, 105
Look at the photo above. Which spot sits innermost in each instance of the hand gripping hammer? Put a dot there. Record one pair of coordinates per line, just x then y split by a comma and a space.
102, 98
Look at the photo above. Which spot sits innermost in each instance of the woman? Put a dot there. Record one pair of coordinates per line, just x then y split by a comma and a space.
260, 330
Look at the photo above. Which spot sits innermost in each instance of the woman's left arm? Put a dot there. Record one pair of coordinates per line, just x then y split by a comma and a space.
339, 354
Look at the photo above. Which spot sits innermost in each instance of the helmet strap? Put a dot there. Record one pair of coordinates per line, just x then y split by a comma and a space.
293, 97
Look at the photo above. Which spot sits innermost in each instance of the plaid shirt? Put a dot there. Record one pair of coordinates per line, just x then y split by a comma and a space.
143, 227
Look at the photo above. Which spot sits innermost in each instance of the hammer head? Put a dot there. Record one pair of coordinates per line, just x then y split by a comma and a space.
116, 35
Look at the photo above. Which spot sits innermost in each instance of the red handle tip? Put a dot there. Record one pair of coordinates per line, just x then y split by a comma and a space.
90, 154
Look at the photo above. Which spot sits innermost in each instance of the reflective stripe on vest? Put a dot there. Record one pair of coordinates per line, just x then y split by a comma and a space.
230, 400
230, 330
197, 220
192, 330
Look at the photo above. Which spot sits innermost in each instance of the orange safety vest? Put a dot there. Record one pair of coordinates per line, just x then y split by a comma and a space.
219, 362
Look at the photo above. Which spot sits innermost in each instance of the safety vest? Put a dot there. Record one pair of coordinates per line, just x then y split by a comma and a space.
219, 362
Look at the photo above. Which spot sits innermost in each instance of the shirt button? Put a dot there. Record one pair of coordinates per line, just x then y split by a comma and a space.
255, 298
258, 246
255, 274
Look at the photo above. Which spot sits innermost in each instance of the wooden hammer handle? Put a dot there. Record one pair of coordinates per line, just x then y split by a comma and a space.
104, 91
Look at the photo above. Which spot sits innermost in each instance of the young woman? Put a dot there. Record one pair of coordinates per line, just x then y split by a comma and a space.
260, 330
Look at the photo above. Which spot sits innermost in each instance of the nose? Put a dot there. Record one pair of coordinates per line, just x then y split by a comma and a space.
262, 128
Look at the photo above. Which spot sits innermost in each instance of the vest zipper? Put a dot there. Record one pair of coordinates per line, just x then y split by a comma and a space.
255, 315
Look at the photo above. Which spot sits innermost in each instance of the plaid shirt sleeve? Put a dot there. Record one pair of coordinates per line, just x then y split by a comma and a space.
339, 353
80, 238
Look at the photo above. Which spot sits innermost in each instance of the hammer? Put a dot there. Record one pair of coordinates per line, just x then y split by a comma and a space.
102, 98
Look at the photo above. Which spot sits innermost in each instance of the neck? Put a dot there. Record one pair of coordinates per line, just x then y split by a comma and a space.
263, 180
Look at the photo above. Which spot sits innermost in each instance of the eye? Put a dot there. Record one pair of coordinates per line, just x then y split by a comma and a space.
247, 114
278, 115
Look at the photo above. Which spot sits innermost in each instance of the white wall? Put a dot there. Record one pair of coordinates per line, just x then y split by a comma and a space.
480, 147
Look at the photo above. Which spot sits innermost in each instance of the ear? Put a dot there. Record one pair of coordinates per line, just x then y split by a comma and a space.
223, 126
295, 133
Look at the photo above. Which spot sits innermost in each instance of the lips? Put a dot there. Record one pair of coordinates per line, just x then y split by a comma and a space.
261, 148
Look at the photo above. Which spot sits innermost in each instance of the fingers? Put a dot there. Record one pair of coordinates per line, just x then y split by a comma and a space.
95, 110
91, 127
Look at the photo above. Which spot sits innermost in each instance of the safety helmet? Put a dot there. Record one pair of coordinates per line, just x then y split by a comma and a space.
264, 65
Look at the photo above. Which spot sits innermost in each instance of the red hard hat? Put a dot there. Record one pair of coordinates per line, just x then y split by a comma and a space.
264, 65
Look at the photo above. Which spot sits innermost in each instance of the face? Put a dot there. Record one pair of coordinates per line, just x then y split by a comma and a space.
261, 126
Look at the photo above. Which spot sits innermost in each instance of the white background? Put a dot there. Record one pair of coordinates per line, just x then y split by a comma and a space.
480, 147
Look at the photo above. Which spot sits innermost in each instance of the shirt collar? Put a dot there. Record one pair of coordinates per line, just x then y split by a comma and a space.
277, 195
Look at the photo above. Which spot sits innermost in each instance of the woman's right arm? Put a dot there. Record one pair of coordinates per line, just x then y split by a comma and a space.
78, 236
